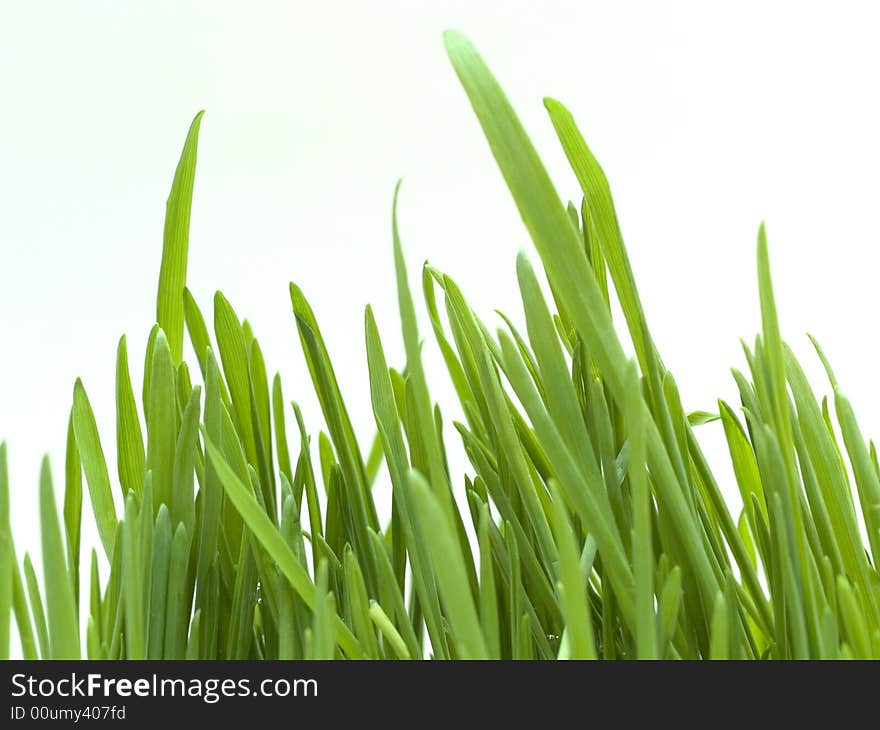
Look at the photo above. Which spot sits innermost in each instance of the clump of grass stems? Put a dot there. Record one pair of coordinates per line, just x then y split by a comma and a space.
600, 530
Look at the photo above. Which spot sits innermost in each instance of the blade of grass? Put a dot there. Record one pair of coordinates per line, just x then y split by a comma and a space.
452, 580
129, 437
39, 614
572, 585
175, 244
60, 604
94, 465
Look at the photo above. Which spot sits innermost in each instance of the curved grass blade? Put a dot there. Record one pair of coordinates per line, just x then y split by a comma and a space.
175, 244
388, 630
94, 465
39, 613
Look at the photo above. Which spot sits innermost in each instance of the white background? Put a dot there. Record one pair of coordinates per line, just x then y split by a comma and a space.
708, 118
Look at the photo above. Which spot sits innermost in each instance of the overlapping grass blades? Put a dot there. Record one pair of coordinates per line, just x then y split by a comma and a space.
591, 525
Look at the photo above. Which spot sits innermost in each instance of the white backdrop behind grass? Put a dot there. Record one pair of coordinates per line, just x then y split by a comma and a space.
706, 117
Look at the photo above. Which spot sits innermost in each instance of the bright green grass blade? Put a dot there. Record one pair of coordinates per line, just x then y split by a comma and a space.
773, 347
745, 468
192, 644
600, 415
452, 579
392, 597
578, 623
161, 422
641, 541
195, 325
175, 244
148, 368
701, 418
112, 626
93, 641
6, 558
281, 448
321, 641
866, 478
309, 486
375, 458
524, 351
129, 437
602, 217
260, 396
267, 534
233, 355
198, 335
359, 605
389, 632
262, 420
60, 604
453, 365
558, 388
95, 599
853, 620
774, 359
20, 608
39, 614
669, 607
72, 510
94, 465
830, 473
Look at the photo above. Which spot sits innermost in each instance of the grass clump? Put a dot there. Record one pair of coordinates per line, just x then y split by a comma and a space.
593, 526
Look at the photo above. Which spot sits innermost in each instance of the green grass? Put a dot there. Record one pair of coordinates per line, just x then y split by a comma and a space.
592, 524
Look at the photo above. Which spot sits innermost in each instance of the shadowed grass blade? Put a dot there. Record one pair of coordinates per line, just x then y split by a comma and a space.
268, 536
